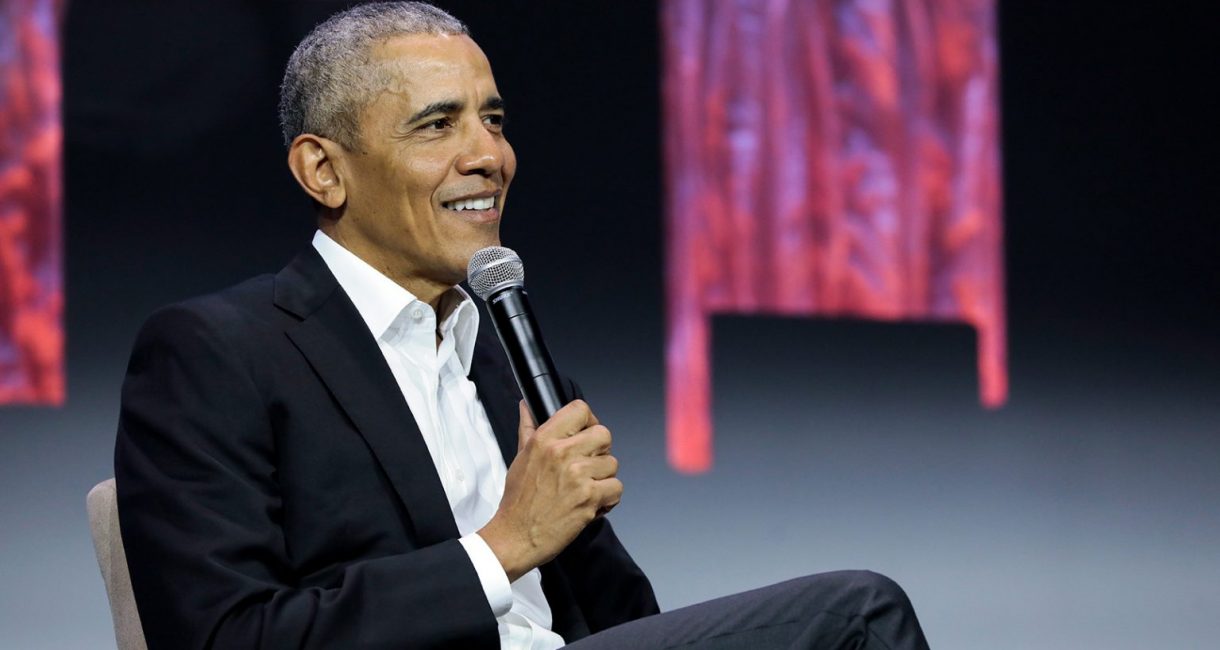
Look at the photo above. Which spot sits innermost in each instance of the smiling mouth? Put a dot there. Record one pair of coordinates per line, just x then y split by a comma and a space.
485, 203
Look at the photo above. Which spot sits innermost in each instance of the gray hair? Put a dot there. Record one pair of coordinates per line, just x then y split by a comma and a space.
328, 81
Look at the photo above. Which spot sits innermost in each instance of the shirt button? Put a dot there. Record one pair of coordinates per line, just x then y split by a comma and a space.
461, 476
418, 315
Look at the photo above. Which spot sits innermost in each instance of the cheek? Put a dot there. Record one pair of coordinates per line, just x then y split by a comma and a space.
421, 178
510, 162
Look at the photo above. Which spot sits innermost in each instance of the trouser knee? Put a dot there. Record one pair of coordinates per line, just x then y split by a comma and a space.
877, 589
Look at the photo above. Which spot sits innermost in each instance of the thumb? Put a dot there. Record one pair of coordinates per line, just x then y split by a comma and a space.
526, 429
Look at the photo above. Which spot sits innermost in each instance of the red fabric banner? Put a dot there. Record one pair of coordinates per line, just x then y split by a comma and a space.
31, 269
827, 158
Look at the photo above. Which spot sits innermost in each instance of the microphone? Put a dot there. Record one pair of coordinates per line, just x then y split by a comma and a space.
498, 277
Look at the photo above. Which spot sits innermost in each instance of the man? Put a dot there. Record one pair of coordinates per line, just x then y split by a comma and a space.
326, 457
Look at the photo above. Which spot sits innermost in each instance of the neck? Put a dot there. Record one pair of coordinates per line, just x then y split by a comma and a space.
429, 291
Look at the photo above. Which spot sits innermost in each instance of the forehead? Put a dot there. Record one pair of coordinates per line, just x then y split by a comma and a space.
425, 66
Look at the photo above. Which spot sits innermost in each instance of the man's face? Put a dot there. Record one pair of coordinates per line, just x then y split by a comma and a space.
427, 183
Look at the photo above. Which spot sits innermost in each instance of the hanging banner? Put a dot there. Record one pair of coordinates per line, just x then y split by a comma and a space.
829, 158
31, 266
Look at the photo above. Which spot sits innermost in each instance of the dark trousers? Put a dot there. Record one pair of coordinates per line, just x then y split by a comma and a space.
827, 611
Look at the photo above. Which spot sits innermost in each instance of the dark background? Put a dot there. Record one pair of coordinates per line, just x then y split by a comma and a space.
1084, 514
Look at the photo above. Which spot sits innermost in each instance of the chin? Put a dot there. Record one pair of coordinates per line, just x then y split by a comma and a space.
459, 264
481, 243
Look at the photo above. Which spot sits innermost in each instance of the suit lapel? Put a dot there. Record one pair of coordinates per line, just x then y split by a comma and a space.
337, 343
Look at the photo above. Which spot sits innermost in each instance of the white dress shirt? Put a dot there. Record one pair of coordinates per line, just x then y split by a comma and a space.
434, 381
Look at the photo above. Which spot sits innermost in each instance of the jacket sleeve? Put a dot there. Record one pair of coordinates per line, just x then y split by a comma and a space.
195, 464
609, 587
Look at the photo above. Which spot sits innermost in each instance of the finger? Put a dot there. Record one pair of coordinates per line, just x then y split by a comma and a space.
573, 417
594, 441
599, 467
526, 429
610, 493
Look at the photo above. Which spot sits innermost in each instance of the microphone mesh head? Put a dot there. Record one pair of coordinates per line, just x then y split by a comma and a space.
494, 268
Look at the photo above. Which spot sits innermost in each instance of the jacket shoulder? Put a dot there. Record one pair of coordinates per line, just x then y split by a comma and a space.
240, 317
241, 304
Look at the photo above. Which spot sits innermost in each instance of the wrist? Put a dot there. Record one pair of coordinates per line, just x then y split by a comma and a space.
507, 548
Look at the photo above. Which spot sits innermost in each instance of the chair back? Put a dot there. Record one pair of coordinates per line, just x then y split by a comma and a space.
108, 543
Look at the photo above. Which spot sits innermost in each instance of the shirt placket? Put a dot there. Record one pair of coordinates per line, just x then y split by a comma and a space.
434, 382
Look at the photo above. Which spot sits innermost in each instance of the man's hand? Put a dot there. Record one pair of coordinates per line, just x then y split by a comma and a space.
563, 477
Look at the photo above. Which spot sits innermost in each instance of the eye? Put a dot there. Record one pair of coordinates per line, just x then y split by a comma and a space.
494, 120
439, 124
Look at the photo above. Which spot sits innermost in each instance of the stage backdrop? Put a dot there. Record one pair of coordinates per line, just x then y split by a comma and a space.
31, 273
833, 158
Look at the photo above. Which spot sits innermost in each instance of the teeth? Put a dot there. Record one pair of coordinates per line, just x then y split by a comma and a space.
472, 204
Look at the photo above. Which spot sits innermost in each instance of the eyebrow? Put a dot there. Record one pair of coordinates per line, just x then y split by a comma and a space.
450, 106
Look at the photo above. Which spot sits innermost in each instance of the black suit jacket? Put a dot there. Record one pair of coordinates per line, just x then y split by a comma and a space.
275, 491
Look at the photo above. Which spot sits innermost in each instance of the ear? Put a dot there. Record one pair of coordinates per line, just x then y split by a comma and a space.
313, 161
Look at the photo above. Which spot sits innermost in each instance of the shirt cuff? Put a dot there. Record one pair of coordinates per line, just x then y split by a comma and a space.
495, 582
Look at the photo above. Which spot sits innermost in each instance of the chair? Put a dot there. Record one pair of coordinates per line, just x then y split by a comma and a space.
104, 524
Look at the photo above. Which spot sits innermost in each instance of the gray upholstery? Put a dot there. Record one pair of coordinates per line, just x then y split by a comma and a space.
104, 523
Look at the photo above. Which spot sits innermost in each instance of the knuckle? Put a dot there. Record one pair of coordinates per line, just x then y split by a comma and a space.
586, 494
552, 450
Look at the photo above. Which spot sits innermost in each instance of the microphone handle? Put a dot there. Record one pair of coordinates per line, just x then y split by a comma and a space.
527, 354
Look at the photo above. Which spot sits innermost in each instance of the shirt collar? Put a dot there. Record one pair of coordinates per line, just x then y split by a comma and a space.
462, 324
381, 301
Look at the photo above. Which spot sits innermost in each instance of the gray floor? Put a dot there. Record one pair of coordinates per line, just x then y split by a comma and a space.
1083, 515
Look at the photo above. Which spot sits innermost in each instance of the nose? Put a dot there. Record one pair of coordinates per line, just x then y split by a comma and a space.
483, 155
